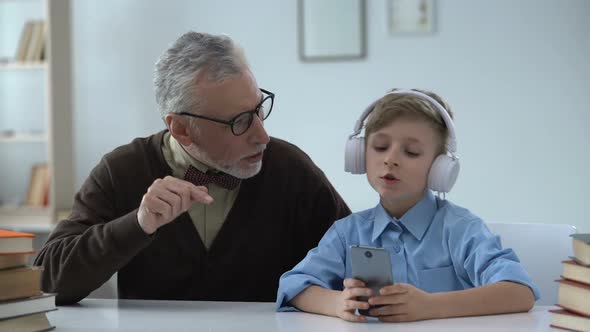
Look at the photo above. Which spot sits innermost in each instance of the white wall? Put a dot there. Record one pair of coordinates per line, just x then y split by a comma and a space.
515, 72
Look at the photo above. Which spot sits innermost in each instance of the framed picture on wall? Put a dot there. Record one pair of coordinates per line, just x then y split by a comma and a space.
410, 16
331, 30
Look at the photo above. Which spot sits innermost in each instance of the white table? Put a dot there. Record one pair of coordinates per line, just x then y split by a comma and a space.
140, 315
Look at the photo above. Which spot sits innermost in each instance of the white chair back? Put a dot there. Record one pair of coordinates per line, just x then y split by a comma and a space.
108, 290
541, 248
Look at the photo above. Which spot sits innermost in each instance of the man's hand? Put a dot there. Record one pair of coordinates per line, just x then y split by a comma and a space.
166, 199
348, 303
402, 303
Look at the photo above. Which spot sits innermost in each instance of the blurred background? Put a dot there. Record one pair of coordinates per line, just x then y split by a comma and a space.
516, 74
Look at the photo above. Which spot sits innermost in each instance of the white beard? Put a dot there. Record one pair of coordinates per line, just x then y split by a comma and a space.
231, 169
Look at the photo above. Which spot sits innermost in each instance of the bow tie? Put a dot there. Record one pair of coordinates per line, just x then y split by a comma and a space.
199, 178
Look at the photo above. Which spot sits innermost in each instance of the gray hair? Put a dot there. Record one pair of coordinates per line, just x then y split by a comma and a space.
178, 68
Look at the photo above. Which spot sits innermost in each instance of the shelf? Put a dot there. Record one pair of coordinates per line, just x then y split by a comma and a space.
26, 219
54, 137
23, 66
23, 138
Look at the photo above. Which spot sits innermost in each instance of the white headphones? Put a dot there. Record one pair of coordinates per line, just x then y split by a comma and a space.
445, 168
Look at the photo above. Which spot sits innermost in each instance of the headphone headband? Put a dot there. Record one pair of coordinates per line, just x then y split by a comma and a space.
452, 140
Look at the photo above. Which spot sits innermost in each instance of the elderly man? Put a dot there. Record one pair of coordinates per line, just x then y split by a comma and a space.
210, 209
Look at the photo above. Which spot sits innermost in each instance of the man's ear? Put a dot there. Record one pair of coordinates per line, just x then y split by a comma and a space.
179, 128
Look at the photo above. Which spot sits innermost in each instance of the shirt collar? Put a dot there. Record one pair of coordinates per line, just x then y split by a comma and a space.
381, 219
416, 220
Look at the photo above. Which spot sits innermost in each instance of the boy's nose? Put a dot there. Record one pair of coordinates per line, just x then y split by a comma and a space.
391, 160
390, 164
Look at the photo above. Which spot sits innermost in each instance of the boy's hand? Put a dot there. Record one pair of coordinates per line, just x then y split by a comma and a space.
347, 303
402, 303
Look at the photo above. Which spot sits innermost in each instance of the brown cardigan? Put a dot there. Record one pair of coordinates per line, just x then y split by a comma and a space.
277, 217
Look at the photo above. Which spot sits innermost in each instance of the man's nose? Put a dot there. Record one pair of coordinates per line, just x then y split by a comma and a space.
258, 133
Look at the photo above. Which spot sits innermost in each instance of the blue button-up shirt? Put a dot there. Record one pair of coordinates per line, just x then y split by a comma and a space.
436, 246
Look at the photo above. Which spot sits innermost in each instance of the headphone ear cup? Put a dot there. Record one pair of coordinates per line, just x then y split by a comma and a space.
354, 155
443, 173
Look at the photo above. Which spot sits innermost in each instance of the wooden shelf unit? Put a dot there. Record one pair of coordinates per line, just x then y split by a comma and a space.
57, 133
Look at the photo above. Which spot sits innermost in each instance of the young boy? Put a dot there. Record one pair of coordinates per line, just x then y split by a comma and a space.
446, 263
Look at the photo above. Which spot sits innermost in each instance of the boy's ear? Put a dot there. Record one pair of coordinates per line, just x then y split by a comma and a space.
179, 128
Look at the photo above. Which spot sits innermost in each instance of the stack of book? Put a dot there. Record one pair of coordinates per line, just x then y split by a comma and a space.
574, 289
22, 303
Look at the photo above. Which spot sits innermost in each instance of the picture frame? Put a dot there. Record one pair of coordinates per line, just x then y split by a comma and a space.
331, 30
410, 16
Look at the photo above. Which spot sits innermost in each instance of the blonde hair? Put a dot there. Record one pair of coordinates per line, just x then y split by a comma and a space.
394, 106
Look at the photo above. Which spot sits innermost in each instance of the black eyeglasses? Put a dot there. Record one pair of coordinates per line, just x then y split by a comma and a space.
242, 122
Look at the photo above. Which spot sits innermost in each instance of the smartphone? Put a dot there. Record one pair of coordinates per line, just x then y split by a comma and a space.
373, 267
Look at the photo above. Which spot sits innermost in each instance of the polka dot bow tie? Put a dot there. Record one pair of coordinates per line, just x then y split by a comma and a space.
199, 178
